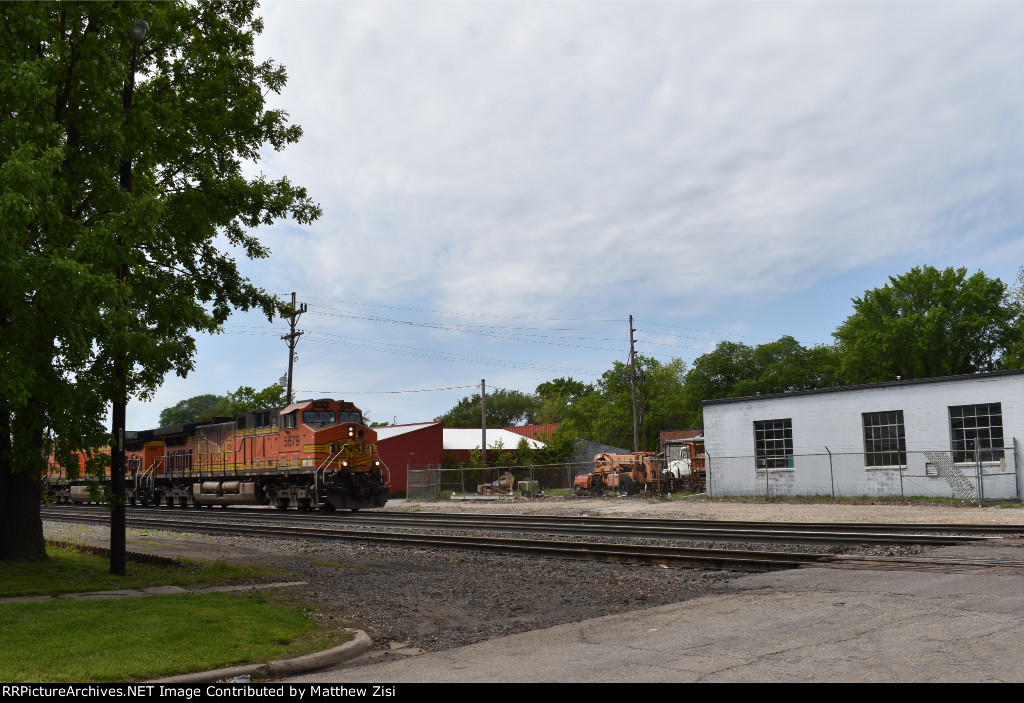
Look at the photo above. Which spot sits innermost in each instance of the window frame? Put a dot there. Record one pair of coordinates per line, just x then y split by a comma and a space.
880, 432
961, 448
775, 432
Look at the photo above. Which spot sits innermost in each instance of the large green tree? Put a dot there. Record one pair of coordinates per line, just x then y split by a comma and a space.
103, 285
556, 397
208, 406
192, 409
505, 408
606, 416
735, 369
927, 323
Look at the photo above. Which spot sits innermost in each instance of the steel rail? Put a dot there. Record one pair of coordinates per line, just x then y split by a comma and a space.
629, 528
377, 516
963, 528
742, 560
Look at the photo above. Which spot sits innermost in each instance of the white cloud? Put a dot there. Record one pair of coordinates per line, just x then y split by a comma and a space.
594, 159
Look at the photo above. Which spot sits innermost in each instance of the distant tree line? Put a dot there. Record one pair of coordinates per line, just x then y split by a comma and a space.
923, 324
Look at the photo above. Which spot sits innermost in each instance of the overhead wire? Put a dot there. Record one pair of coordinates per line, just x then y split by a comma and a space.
418, 390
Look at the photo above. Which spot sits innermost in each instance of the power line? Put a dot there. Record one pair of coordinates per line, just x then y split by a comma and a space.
378, 346
420, 390
451, 328
466, 314
693, 329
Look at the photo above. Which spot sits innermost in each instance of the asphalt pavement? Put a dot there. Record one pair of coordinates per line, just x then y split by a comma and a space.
803, 625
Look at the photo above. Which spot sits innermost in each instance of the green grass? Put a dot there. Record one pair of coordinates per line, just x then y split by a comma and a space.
144, 638
130, 639
69, 571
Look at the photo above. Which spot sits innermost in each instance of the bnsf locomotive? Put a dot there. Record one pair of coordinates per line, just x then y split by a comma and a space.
313, 454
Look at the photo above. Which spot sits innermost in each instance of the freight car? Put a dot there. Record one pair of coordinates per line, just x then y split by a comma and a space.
313, 454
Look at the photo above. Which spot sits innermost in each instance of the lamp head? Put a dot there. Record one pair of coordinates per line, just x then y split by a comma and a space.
137, 32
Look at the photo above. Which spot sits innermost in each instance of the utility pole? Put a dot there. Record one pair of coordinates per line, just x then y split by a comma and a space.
632, 382
292, 337
483, 421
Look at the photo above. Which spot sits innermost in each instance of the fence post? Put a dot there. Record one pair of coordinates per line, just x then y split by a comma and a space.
831, 473
707, 473
977, 457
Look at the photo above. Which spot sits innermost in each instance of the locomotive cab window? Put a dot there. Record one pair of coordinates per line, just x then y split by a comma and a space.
318, 417
291, 421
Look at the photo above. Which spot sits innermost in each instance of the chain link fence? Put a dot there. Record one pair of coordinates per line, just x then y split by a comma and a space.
540, 479
930, 474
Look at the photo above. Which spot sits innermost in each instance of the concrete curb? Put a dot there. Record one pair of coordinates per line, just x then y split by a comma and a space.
282, 667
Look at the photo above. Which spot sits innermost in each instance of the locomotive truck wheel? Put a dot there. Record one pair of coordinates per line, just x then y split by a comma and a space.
282, 503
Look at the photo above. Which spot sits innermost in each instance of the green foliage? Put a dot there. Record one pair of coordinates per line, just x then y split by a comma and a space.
504, 409
606, 415
68, 227
1013, 358
928, 323
559, 446
247, 400
189, 410
523, 455
557, 397
497, 454
209, 406
734, 369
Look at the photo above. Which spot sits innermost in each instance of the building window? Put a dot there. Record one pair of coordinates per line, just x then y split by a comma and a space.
773, 444
976, 432
885, 440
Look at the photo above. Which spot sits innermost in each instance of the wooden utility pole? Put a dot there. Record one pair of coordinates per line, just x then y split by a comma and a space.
483, 420
292, 337
632, 382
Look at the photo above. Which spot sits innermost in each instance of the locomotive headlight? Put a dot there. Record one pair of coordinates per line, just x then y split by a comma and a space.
376, 462
344, 463
351, 431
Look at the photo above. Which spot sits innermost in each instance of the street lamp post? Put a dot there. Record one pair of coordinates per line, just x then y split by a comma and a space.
118, 541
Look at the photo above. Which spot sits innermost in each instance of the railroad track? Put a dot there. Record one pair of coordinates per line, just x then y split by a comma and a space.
632, 528
739, 559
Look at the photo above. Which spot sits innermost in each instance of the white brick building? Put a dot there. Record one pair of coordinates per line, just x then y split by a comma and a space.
926, 437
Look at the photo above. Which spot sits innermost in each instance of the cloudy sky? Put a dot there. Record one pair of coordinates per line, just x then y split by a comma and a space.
504, 184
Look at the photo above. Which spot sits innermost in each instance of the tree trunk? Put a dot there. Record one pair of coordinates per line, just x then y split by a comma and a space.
21, 527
